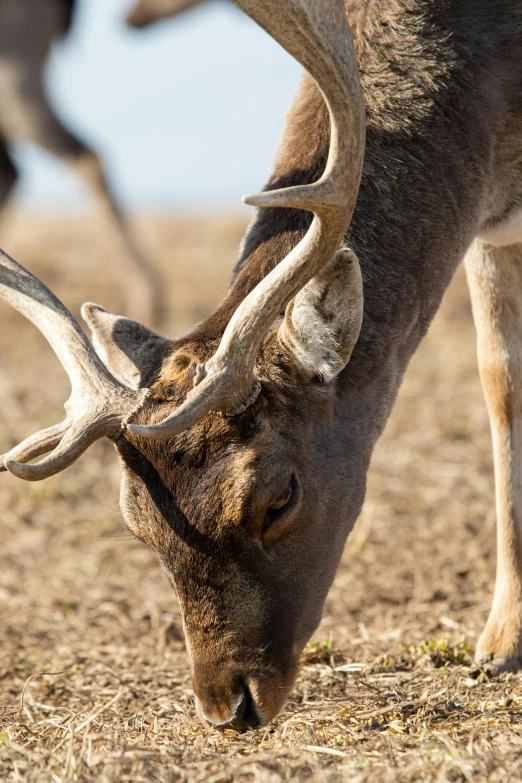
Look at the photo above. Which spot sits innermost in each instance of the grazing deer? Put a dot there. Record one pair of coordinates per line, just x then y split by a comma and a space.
245, 444
28, 29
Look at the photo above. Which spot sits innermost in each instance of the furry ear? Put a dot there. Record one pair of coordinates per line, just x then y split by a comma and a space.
127, 348
322, 324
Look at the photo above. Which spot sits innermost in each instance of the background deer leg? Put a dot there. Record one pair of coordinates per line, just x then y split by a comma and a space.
8, 177
495, 281
145, 299
140, 278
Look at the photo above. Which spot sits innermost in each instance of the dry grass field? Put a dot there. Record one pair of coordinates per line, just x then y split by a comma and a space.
94, 679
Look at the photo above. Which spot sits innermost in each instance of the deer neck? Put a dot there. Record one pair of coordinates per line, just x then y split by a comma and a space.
417, 213
411, 229
425, 174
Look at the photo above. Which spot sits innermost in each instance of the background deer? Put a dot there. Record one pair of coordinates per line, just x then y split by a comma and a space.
146, 12
28, 29
245, 444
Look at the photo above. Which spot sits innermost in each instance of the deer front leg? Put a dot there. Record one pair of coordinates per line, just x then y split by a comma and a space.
495, 281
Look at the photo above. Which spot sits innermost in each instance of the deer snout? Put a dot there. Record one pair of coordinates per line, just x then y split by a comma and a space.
226, 702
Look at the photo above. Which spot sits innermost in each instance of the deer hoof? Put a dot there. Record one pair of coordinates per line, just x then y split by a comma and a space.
500, 664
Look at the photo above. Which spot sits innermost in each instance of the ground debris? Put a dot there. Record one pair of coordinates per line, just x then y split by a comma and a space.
94, 680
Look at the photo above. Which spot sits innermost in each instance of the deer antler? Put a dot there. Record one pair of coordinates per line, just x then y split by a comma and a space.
316, 33
98, 404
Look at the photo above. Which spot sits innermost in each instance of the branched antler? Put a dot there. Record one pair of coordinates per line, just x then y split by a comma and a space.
316, 33
98, 403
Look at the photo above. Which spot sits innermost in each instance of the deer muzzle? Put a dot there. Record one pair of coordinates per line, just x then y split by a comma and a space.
229, 698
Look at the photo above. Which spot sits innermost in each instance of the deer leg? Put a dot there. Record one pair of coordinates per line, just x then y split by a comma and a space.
495, 281
141, 280
8, 177
145, 297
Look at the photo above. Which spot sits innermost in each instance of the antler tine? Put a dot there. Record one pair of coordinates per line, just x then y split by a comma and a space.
35, 445
316, 33
98, 402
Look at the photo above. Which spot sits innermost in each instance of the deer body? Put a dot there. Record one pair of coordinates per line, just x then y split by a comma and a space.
28, 30
245, 460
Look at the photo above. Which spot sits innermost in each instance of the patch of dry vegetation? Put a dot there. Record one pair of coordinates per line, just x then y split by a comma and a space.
94, 679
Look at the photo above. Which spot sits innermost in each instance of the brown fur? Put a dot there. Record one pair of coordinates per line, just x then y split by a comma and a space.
441, 81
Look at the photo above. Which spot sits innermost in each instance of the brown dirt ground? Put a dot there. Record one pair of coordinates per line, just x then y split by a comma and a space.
94, 679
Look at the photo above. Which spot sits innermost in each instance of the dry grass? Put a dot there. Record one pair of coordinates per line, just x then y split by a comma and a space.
94, 680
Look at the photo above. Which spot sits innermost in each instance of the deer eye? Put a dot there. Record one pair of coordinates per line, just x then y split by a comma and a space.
282, 503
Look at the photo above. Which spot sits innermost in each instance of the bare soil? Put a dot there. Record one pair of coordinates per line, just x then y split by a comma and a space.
94, 679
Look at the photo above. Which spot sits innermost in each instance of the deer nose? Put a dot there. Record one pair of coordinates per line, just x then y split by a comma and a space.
243, 716
246, 716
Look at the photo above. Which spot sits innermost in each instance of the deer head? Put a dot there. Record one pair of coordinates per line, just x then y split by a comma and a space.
226, 441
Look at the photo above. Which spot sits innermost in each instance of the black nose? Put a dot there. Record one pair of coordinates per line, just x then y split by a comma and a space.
245, 716
231, 706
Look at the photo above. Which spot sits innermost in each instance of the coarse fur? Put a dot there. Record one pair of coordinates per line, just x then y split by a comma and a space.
441, 82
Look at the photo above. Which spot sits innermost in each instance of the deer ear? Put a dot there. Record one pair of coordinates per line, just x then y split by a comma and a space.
322, 323
127, 348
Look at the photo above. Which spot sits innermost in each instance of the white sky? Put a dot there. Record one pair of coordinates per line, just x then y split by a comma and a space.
187, 114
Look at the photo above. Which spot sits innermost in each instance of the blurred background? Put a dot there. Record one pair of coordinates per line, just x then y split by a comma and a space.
186, 113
